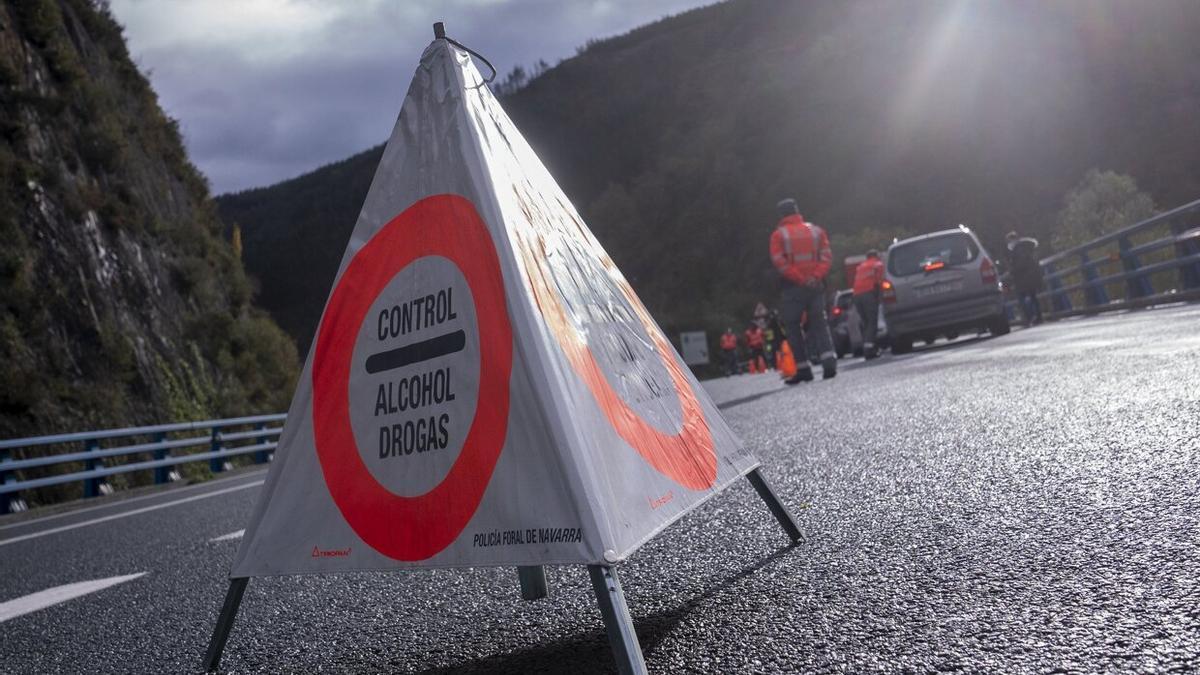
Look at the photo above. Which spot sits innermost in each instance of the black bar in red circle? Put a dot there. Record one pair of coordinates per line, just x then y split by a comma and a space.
417, 352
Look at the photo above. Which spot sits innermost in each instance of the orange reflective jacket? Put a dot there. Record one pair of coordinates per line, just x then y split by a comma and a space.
800, 251
728, 341
868, 276
754, 338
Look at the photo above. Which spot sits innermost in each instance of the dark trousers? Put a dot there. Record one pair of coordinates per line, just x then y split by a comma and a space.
1030, 306
796, 301
731, 364
868, 308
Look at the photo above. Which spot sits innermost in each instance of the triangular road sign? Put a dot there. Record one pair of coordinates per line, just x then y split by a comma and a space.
485, 388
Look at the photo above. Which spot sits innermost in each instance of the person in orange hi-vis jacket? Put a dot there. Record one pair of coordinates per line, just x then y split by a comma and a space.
729, 351
755, 343
868, 281
800, 252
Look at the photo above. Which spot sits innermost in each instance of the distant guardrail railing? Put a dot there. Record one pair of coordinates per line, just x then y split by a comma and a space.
225, 439
1090, 283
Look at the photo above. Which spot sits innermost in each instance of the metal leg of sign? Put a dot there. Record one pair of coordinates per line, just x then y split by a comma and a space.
533, 582
233, 598
777, 507
617, 622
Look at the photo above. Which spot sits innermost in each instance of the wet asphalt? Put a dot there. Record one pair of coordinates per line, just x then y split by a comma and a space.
1028, 503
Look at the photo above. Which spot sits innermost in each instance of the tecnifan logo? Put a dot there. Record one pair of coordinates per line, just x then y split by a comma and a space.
330, 552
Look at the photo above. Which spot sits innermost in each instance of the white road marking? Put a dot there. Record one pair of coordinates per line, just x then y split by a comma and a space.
130, 500
52, 596
144, 509
231, 535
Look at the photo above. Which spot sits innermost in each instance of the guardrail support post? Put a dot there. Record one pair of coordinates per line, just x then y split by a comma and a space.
1189, 274
216, 463
91, 486
5, 477
1095, 295
261, 455
1060, 301
160, 472
1139, 285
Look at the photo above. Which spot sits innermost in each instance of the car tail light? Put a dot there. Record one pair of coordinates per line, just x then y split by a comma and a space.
837, 311
889, 292
988, 271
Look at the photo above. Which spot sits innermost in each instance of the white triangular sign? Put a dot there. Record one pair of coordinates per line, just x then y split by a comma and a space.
484, 388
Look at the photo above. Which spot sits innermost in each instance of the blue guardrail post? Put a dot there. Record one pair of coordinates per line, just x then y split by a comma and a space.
1095, 295
261, 455
6, 477
216, 463
91, 486
1060, 300
1189, 274
1139, 285
160, 472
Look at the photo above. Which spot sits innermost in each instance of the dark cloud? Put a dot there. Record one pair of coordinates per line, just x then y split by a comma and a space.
263, 101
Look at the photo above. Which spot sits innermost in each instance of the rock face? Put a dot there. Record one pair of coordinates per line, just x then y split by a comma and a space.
121, 299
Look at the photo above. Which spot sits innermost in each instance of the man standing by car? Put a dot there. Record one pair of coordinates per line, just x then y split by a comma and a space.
800, 252
1026, 274
868, 278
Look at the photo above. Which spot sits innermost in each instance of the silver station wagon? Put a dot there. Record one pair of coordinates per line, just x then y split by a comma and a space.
939, 284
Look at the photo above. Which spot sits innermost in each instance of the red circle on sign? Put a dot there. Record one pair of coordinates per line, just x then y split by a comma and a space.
413, 528
688, 457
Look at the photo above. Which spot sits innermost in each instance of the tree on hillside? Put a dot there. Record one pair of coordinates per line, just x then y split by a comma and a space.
1103, 202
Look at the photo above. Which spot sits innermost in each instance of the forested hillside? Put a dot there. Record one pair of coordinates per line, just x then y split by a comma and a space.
121, 303
881, 118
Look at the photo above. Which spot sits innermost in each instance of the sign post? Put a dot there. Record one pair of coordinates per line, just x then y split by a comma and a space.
694, 347
485, 387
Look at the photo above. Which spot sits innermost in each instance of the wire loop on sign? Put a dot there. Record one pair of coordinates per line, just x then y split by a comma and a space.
472, 52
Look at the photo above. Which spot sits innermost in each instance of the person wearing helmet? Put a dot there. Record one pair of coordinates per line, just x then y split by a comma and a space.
801, 254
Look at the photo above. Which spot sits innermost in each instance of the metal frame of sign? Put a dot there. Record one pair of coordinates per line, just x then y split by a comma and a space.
618, 624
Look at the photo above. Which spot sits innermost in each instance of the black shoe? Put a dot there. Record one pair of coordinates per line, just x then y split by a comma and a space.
804, 375
829, 369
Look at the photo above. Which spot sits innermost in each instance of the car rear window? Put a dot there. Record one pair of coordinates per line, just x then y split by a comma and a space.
952, 249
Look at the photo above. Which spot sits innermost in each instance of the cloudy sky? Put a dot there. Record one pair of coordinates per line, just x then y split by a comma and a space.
268, 89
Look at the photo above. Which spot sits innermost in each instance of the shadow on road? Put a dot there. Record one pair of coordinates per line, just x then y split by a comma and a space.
588, 653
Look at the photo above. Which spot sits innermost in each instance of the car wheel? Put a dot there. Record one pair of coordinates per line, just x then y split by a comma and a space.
901, 344
952, 336
999, 325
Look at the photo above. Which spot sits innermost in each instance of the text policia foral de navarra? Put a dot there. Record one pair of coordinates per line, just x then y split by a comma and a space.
414, 392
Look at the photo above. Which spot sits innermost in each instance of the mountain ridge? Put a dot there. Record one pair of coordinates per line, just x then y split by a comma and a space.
676, 139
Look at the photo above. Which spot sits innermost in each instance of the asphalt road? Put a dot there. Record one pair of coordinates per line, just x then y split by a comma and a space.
1024, 503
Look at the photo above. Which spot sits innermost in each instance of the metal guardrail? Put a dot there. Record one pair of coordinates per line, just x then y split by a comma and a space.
225, 438
1089, 281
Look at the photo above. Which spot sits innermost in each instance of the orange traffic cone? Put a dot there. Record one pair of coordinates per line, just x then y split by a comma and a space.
753, 366
786, 362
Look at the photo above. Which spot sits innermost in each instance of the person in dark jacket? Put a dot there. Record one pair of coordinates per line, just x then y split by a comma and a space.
1026, 275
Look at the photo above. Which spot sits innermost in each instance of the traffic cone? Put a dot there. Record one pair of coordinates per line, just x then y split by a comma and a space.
753, 366
786, 362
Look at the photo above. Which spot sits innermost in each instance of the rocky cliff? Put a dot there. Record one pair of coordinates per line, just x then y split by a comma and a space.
122, 300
